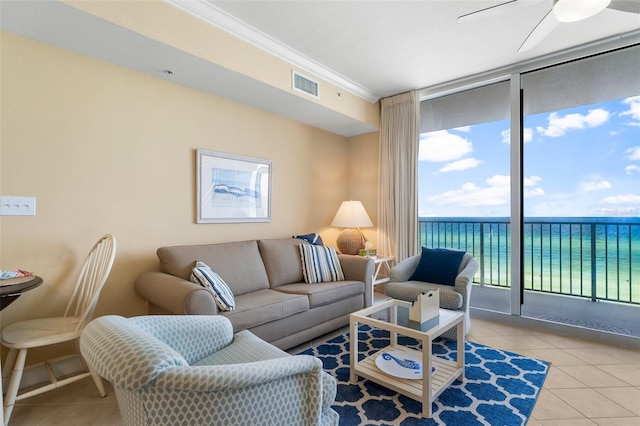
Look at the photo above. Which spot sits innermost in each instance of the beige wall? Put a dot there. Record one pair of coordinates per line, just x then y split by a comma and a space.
108, 150
163, 22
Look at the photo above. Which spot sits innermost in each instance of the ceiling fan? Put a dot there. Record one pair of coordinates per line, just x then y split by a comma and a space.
560, 11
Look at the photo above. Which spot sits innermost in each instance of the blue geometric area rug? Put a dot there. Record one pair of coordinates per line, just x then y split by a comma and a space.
500, 388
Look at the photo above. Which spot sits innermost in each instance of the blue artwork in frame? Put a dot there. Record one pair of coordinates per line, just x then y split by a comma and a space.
232, 188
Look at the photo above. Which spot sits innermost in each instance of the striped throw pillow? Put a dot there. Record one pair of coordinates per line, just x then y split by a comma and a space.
204, 275
320, 264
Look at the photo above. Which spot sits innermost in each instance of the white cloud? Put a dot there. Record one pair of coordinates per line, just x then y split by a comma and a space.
465, 129
634, 153
527, 134
558, 126
625, 211
633, 111
440, 146
531, 188
467, 163
622, 198
629, 170
595, 185
497, 192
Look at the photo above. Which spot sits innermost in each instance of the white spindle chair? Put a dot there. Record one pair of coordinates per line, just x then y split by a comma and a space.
24, 335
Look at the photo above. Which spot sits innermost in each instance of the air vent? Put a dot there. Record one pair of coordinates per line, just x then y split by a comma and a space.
306, 85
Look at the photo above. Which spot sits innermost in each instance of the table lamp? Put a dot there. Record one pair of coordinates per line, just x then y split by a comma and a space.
351, 215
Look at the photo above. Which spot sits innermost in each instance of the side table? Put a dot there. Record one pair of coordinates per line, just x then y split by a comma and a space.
380, 262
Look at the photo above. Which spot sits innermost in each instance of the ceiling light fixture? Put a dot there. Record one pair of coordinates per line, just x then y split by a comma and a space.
577, 10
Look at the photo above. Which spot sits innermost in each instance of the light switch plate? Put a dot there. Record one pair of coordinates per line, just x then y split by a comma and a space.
17, 206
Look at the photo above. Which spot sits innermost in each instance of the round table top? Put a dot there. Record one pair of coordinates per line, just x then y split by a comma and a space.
17, 286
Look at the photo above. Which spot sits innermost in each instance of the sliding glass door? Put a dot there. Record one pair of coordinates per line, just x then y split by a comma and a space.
551, 212
582, 226
463, 184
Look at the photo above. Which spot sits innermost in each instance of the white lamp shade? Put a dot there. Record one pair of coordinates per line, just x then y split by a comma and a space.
577, 10
351, 214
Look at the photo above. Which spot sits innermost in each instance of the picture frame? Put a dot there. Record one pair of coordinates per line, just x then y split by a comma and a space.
232, 188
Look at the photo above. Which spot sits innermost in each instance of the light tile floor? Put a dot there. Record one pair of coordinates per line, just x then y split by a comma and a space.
588, 383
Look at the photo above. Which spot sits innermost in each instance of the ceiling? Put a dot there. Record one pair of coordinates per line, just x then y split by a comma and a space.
373, 49
390, 47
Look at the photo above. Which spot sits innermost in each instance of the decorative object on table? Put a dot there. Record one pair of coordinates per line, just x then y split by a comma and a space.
14, 273
21, 336
425, 307
500, 387
11, 277
312, 238
401, 364
232, 188
368, 250
351, 215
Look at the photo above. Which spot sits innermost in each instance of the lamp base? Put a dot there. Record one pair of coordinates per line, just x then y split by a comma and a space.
350, 241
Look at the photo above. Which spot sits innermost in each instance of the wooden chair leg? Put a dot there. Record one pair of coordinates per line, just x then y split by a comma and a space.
98, 381
14, 384
8, 365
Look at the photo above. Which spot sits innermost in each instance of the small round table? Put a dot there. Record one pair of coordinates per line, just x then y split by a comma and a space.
13, 288
10, 290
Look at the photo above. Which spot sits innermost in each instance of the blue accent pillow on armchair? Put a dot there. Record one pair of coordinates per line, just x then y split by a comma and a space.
438, 266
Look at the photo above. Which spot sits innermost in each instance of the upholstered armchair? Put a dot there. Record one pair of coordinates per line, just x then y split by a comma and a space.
455, 296
192, 370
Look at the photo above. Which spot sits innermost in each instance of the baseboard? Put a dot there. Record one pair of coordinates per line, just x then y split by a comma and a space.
554, 327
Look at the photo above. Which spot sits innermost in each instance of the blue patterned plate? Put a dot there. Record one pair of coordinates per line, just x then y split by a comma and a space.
401, 364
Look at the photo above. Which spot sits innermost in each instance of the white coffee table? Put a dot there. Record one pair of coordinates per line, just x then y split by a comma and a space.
393, 315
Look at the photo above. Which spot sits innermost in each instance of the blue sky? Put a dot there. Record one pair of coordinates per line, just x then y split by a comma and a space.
582, 161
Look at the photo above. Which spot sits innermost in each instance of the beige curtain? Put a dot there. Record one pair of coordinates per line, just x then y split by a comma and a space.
397, 177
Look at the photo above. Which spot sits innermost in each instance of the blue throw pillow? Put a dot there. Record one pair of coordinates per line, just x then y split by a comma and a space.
314, 239
438, 266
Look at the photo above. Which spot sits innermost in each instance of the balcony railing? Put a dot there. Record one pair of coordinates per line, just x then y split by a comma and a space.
592, 258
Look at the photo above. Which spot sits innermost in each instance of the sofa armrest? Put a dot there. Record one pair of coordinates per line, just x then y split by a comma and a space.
175, 295
214, 332
404, 269
359, 268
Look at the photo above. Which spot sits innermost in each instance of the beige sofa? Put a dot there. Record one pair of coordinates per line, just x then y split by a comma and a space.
265, 276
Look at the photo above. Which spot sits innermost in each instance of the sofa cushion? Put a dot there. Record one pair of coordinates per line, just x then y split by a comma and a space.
281, 259
246, 347
327, 293
409, 290
263, 306
439, 266
208, 279
238, 263
320, 264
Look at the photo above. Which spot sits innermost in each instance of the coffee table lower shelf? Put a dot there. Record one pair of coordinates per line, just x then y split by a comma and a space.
446, 373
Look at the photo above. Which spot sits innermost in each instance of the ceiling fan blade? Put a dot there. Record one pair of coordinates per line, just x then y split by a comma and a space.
542, 30
483, 13
632, 6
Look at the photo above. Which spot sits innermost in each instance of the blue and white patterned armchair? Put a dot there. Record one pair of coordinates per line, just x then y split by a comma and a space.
456, 297
192, 370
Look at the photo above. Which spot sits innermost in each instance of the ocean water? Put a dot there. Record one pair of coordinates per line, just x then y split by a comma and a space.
595, 257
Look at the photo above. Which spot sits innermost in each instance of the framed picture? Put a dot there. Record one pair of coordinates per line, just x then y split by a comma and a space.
232, 188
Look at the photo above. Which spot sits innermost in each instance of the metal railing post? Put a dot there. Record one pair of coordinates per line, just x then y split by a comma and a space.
593, 263
482, 259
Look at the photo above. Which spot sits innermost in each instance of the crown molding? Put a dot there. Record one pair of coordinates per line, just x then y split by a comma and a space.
226, 22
